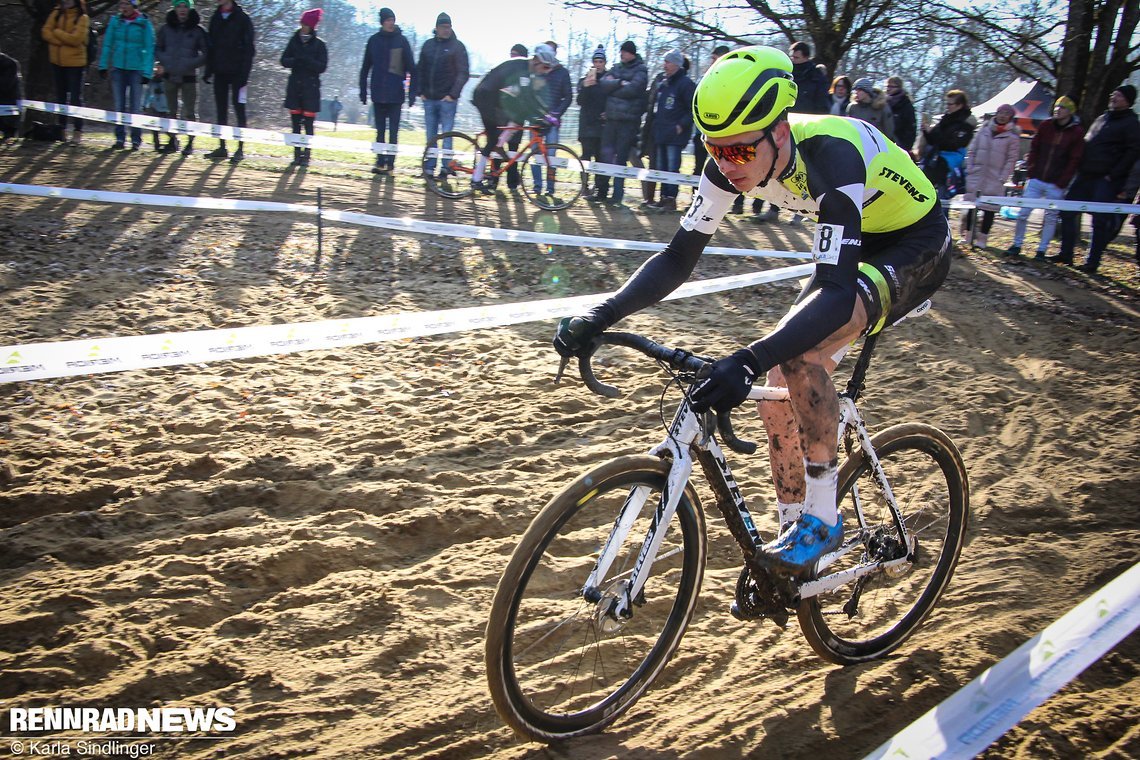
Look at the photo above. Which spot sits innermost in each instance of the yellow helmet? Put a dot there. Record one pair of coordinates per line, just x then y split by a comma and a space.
746, 90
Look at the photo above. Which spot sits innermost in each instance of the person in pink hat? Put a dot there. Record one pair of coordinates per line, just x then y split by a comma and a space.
306, 56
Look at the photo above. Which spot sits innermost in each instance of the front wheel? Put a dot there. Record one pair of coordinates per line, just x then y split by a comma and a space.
449, 163
869, 618
559, 665
558, 185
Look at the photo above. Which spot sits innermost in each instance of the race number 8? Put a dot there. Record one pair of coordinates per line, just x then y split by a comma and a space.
828, 241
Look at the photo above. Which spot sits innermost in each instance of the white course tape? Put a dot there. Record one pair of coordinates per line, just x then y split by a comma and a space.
37, 361
980, 712
404, 224
269, 137
9, 110
1045, 203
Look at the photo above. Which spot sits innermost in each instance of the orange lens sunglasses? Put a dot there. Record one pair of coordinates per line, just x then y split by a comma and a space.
736, 154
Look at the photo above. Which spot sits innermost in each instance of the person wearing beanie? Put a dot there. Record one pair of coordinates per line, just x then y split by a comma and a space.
625, 86
989, 164
869, 103
128, 57
387, 63
672, 124
1054, 155
442, 71
66, 33
591, 105
1112, 145
306, 56
181, 47
229, 64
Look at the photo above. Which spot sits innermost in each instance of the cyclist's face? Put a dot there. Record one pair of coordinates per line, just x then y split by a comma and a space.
746, 176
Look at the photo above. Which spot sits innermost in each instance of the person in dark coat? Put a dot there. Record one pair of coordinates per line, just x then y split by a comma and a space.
1112, 146
943, 145
558, 95
306, 57
441, 72
229, 63
388, 62
9, 94
906, 124
672, 122
591, 106
812, 84
181, 46
626, 89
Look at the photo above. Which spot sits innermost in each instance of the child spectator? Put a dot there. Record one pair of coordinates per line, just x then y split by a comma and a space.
155, 104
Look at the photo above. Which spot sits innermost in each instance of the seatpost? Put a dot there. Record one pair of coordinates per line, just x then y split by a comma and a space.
857, 382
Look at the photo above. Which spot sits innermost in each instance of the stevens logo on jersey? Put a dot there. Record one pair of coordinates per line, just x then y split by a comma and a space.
903, 182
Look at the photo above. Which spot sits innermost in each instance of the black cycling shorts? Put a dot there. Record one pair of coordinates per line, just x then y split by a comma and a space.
899, 270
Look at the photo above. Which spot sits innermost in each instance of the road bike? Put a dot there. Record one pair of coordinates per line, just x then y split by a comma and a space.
599, 591
455, 154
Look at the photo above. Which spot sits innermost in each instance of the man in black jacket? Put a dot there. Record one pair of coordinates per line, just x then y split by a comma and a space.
1112, 145
626, 87
443, 69
229, 62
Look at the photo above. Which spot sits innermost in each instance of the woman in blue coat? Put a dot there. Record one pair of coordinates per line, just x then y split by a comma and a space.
306, 56
128, 54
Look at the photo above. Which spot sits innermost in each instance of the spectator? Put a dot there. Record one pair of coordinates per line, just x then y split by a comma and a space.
306, 56
700, 155
229, 63
870, 104
128, 54
509, 94
989, 163
181, 48
840, 95
672, 122
591, 106
1054, 154
813, 96
9, 94
1132, 192
66, 33
943, 146
1111, 147
559, 93
625, 86
441, 74
154, 104
644, 153
906, 124
335, 108
388, 60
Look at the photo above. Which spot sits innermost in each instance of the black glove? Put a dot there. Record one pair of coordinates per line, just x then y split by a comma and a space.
575, 335
363, 99
146, 80
728, 383
102, 73
207, 79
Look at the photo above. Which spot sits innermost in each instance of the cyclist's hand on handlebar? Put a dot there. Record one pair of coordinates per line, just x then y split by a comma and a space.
728, 384
575, 335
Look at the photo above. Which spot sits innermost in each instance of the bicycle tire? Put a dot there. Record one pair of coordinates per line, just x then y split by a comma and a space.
568, 183
928, 477
452, 179
546, 692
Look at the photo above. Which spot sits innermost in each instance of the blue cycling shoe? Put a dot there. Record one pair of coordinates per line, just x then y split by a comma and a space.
798, 547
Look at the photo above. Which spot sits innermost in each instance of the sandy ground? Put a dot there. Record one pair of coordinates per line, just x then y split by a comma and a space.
314, 539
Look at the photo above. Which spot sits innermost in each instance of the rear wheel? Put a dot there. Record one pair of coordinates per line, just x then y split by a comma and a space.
449, 163
870, 617
560, 184
559, 665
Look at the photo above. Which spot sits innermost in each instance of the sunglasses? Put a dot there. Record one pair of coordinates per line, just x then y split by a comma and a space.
736, 154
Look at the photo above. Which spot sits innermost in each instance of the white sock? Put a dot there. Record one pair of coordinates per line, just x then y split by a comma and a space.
480, 166
789, 512
822, 479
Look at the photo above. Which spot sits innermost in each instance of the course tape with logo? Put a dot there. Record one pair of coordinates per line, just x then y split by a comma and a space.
1083, 206
404, 224
269, 137
984, 709
37, 361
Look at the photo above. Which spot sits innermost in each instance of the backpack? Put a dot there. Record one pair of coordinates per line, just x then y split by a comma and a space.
92, 45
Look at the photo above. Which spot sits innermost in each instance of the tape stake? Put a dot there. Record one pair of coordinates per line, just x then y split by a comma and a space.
984, 709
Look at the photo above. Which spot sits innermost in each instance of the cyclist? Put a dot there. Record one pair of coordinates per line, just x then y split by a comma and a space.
512, 93
881, 247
